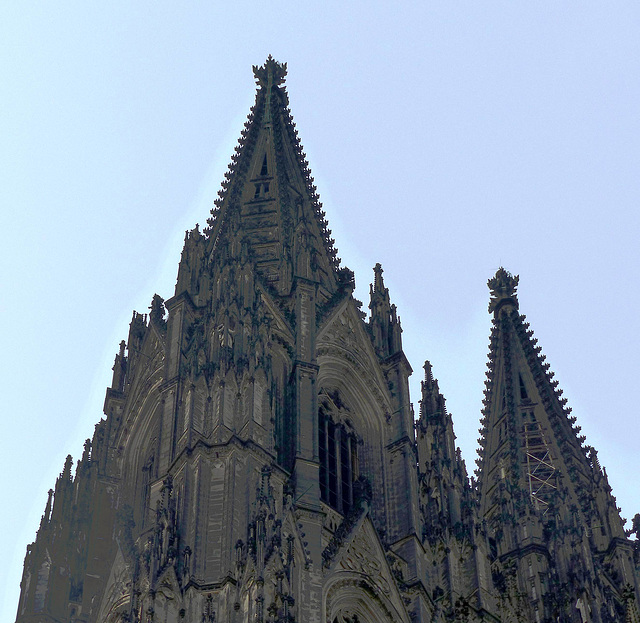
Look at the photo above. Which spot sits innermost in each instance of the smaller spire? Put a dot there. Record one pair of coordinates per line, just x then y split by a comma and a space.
86, 455
119, 369
503, 288
378, 282
157, 312
66, 472
47, 511
432, 404
428, 371
384, 321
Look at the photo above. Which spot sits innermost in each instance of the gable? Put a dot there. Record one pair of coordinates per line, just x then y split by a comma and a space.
359, 580
347, 362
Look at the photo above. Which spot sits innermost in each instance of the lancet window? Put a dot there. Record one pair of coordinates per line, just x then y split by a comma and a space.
338, 456
147, 476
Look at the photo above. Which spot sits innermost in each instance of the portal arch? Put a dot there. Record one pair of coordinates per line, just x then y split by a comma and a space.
351, 598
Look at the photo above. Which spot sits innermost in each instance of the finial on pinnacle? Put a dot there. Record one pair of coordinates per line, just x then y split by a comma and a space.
271, 72
378, 283
503, 288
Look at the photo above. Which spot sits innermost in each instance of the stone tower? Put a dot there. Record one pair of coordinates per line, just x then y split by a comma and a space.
259, 459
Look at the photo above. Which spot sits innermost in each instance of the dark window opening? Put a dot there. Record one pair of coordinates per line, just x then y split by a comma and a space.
338, 462
523, 389
264, 170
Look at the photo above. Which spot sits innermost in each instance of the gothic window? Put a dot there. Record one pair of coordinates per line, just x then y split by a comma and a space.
338, 461
523, 389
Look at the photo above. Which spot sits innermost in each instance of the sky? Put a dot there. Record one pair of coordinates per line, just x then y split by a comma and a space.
446, 139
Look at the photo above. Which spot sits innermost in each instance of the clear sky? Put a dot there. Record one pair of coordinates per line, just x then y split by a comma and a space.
446, 139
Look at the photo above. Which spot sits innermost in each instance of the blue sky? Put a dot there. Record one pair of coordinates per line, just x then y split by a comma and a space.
446, 139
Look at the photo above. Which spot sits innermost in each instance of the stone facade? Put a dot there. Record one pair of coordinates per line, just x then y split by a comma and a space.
260, 460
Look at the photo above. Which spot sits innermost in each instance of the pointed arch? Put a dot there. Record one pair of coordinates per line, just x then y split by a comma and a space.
353, 599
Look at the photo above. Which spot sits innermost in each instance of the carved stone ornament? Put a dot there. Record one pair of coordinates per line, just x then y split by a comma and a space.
502, 286
271, 69
361, 558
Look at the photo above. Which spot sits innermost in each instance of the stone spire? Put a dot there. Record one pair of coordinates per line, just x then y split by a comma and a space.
268, 201
442, 471
44, 522
541, 488
384, 322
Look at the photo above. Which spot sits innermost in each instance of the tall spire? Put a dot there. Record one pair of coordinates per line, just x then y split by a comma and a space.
268, 199
541, 488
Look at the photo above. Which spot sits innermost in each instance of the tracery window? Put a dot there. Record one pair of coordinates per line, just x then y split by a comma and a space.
338, 456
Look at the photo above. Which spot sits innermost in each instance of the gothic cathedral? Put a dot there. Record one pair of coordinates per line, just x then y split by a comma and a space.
260, 460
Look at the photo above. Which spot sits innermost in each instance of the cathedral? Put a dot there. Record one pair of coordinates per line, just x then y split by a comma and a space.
260, 460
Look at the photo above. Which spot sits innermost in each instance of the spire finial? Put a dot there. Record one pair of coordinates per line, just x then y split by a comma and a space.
47, 511
503, 287
66, 472
271, 73
378, 283
428, 371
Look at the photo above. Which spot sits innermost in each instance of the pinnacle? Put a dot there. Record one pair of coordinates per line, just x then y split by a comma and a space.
47, 510
378, 284
66, 472
428, 371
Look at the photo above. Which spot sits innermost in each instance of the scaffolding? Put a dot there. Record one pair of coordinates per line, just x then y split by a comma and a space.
541, 473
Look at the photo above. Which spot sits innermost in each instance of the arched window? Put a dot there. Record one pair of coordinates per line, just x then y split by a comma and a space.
337, 444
